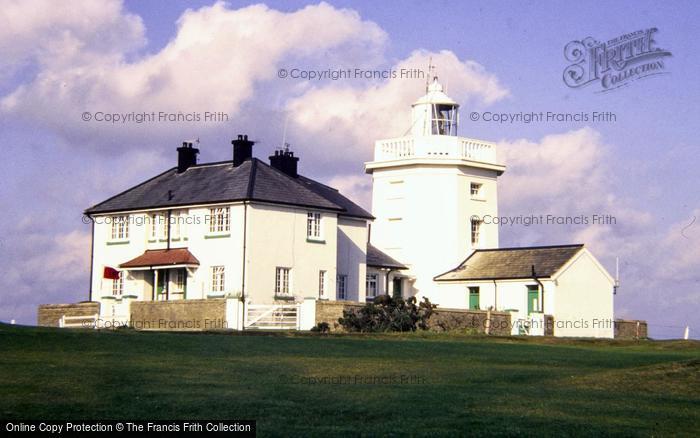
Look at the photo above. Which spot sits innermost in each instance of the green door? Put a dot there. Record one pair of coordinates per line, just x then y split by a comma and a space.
161, 287
474, 298
398, 292
533, 299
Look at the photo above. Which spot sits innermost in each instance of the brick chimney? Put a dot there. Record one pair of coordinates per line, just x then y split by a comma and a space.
186, 156
242, 150
285, 161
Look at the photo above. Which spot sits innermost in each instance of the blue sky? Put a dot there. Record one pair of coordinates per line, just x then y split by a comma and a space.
641, 168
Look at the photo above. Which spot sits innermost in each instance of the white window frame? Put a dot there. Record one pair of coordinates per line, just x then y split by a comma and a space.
341, 286
178, 224
322, 283
371, 284
120, 228
475, 232
219, 220
118, 285
479, 193
218, 279
283, 282
313, 226
178, 287
159, 228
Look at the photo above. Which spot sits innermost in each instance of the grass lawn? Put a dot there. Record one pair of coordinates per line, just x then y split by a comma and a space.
452, 384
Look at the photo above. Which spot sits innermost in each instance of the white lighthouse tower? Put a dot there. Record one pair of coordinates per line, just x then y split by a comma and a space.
431, 191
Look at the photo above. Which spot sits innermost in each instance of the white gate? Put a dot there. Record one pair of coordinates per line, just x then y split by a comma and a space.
272, 317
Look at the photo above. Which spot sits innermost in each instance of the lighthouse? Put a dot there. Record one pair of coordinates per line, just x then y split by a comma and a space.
434, 195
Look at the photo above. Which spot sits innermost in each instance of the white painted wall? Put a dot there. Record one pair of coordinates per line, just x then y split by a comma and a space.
423, 216
224, 250
352, 256
583, 300
277, 237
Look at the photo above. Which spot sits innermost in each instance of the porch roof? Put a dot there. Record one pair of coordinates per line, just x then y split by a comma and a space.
162, 257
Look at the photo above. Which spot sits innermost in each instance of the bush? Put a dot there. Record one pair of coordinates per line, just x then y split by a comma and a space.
387, 314
321, 327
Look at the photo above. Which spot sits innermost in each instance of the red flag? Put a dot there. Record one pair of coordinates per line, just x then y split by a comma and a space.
111, 273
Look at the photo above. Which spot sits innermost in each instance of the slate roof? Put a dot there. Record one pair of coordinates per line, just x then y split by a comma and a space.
211, 183
378, 259
512, 263
162, 257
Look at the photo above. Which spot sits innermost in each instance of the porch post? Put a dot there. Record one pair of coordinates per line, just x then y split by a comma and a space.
155, 284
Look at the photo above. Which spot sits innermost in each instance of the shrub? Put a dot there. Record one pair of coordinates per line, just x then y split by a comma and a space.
387, 314
321, 327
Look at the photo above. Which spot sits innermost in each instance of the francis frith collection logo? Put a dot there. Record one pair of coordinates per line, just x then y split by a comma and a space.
614, 63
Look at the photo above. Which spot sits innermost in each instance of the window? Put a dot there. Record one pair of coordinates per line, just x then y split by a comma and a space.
475, 190
313, 225
178, 222
159, 229
120, 227
474, 298
219, 220
444, 119
218, 279
180, 281
282, 281
476, 228
118, 285
321, 284
371, 285
341, 286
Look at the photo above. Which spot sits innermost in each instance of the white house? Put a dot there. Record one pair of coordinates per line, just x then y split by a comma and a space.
239, 228
564, 281
264, 233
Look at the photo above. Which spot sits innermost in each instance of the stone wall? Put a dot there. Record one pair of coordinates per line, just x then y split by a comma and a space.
208, 314
630, 329
49, 315
330, 311
478, 321
441, 320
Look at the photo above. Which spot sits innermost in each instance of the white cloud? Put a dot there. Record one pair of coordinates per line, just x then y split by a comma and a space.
349, 116
214, 62
55, 36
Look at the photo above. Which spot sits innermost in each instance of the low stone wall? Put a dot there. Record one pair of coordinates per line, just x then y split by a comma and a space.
480, 321
441, 320
630, 329
209, 314
49, 315
330, 311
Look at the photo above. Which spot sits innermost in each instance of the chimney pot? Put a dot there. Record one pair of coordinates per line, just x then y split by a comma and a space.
285, 162
186, 156
242, 150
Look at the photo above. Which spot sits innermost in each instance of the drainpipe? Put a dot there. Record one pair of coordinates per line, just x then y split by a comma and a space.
386, 281
245, 233
495, 295
167, 272
534, 275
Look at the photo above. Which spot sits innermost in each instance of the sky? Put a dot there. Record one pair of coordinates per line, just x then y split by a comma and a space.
56, 64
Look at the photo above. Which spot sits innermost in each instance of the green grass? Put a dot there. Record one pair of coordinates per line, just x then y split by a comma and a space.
462, 385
